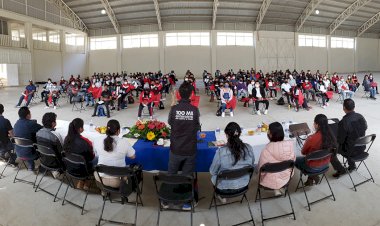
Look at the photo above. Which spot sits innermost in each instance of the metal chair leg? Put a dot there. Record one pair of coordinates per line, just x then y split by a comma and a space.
59, 188
101, 213
291, 205
304, 191
64, 197
328, 183
216, 210
43, 175
84, 202
159, 212
137, 204
249, 208
18, 170
261, 206
369, 172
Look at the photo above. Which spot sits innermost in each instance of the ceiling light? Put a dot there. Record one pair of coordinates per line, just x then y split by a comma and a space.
103, 11
317, 11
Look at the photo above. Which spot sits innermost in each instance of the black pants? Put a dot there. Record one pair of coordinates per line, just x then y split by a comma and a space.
272, 91
121, 100
107, 104
257, 103
287, 97
54, 99
337, 165
141, 107
44, 95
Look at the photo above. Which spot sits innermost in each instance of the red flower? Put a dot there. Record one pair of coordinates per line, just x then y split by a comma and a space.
164, 134
138, 123
141, 127
151, 126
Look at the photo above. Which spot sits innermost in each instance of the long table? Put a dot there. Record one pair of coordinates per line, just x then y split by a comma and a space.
153, 157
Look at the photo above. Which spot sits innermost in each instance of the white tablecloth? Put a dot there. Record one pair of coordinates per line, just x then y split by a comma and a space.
257, 141
89, 132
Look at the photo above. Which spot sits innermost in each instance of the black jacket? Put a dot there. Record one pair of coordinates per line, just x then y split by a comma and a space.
352, 126
254, 93
184, 122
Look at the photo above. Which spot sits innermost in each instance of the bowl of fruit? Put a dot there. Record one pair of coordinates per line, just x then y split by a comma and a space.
101, 129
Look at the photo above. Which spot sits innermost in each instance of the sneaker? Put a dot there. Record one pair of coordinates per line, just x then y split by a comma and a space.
93, 115
222, 200
223, 114
277, 192
186, 207
164, 205
324, 106
55, 107
232, 114
265, 112
258, 112
17, 106
327, 104
47, 107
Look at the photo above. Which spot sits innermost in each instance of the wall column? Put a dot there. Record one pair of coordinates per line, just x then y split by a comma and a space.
214, 56
161, 54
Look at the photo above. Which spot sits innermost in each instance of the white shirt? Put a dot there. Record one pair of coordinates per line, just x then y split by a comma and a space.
258, 94
121, 148
250, 87
286, 87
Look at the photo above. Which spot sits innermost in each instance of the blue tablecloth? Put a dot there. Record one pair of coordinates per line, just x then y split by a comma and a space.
157, 157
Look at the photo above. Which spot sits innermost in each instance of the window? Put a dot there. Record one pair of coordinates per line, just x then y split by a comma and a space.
74, 40
41, 36
234, 39
346, 43
15, 35
188, 39
312, 40
54, 37
103, 43
138, 41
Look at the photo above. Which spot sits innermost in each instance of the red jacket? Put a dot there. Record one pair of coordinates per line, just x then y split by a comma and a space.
307, 86
312, 144
146, 99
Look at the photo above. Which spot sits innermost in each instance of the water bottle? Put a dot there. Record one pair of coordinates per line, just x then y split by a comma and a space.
91, 125
217, 133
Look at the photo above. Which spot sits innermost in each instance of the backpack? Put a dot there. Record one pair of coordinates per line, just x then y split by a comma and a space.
131, 100
161, 105
281, 101
219, 112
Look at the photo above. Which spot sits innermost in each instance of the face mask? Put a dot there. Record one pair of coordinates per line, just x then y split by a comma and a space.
186, 79
49, 82
226, 86
73, 83
252, 83
257, 86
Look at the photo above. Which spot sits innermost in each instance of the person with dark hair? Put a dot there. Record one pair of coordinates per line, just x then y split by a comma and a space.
27, 95
184, 121
277, 150
322, 139
146, 100
106, 100
47, 88
226, 96
77, 144
27, 129
352, 126
234, 155
49, 138
258, 93
113, 152
6, 132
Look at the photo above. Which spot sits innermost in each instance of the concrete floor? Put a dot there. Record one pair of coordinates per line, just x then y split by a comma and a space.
20, 205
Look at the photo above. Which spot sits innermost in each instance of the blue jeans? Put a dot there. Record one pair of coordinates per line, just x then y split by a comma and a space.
88, 99
301, 165
372, 92
22, 98
224, 106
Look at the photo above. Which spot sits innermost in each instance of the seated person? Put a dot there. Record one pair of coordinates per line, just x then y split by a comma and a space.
234, 155
28, 94
258, 94
285, 88
26, 128
52, 96
46, 91
352, 126
344, 89
6, 132
322, 91
89, 97
125, 89
226, 96
277, 150
308, 89
146, 100
72, 90
351, 84
298, 98
242, 90
322, 139
49, 138
369, 88
271, 86
113, 152
77, 144
373, 83
105, 100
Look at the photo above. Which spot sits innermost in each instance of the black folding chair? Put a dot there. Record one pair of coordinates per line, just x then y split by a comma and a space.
167, 187
275, 168
333, 124
8, 162
23, 143
233, 175
78, 100
360, 142
312, 157
50, 162
129, 183
75, 168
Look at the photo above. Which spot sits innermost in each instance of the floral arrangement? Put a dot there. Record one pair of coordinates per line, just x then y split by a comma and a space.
149, 130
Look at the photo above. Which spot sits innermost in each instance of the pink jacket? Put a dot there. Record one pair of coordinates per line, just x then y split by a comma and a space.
276, 152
